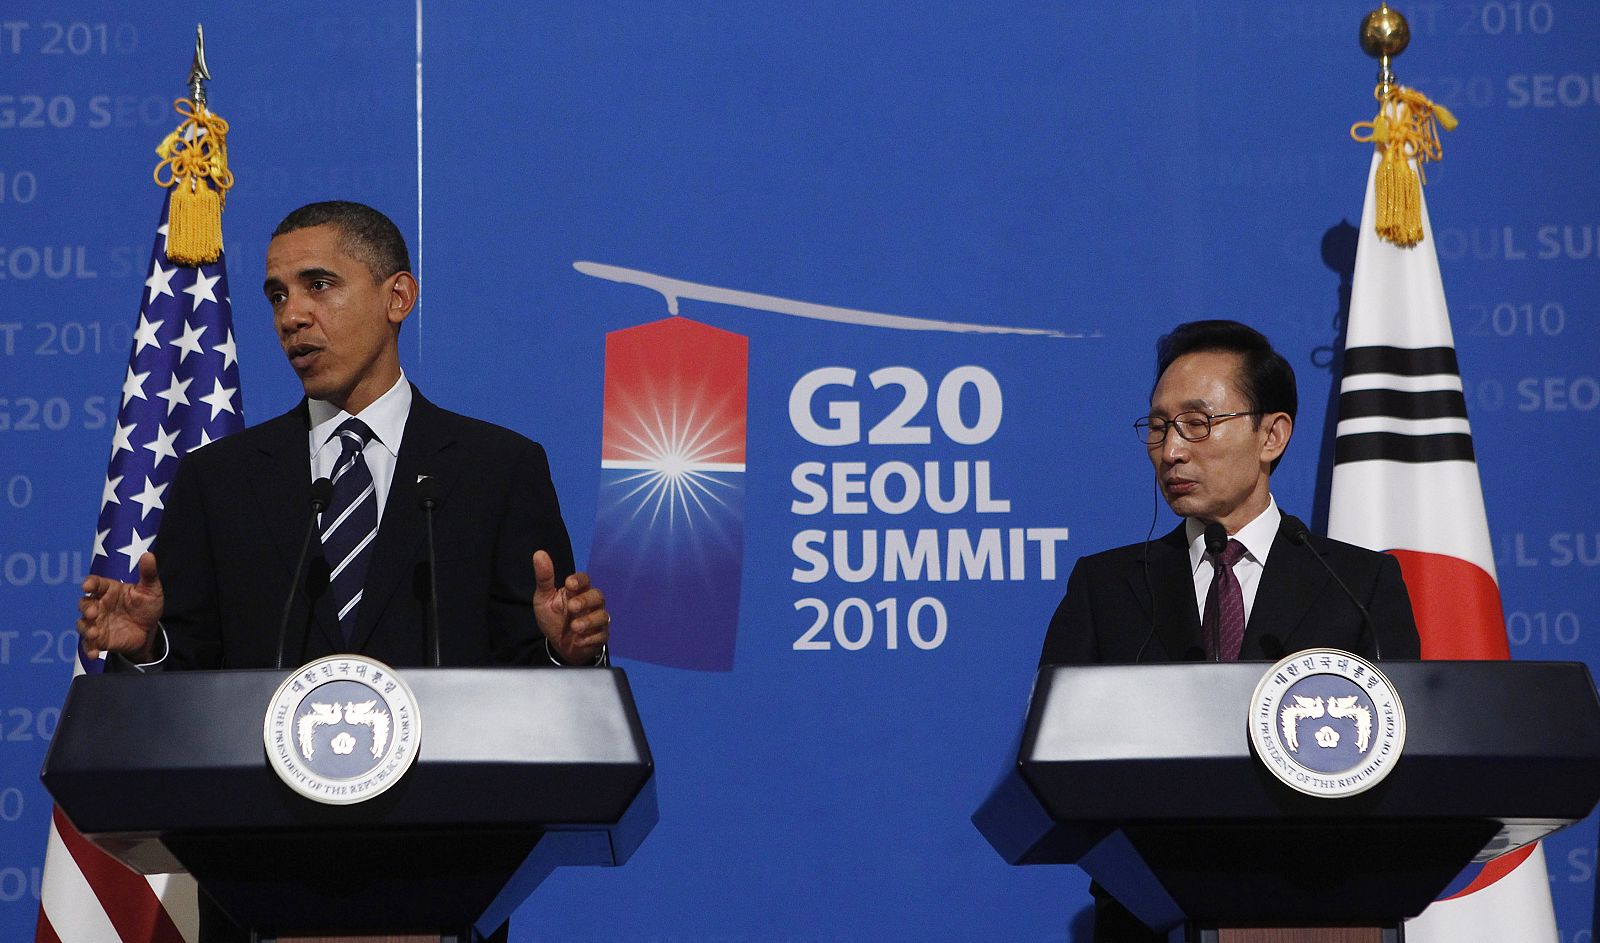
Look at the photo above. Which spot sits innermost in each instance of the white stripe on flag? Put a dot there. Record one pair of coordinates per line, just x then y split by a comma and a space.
1394, 381
1444, 426
68, 901
178, 894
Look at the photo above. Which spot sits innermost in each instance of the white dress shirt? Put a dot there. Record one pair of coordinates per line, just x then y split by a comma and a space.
1257, 537
385, 416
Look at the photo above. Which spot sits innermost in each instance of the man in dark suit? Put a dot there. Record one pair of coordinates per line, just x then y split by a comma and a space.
339, 283
1220, 418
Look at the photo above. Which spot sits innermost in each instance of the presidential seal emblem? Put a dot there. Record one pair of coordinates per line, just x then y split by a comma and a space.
342, 729
1327, 723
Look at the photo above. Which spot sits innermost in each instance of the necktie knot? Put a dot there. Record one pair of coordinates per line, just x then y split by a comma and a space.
1231, 554
353, 434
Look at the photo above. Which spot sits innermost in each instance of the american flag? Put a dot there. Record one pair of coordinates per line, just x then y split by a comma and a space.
181, 391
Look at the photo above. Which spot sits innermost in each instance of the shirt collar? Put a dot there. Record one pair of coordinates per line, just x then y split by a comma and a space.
1257, 536
385, 416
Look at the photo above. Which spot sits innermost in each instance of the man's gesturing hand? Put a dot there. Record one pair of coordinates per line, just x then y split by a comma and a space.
572, 616
114, 616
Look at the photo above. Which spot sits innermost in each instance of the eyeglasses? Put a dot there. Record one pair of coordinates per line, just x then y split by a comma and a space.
1192, 427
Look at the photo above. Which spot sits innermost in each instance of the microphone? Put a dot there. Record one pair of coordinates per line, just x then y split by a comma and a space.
428, 499
1303, 538
321, 494
1216, 538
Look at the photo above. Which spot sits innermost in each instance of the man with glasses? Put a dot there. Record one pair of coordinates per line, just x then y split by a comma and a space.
1221, 415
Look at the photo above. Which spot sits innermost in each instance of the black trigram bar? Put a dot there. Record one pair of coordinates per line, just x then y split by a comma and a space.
1395, 447
1421, 404
1404, 361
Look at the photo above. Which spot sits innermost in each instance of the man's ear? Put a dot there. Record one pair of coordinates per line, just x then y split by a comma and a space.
402, 296
1279, 429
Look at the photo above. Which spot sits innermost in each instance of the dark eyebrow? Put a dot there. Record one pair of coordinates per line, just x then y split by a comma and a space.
304, 275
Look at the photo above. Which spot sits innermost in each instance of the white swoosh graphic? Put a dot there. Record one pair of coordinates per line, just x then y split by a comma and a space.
672, 289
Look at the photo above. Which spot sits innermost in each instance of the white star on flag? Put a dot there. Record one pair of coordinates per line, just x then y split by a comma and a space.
136, 548
108, 494
145, 334
161, 445
100, 542
150, 497
160, 280
220, 399
189, 341
176, 394
119, 440
201, 289
229, 352
133, 386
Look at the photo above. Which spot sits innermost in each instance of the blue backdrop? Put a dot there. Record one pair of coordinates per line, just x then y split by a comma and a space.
1100, 171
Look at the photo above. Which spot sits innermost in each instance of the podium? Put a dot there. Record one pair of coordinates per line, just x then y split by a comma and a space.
520, 771
1143, 775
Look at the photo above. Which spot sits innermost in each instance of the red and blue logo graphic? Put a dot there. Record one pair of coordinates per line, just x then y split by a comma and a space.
669, 532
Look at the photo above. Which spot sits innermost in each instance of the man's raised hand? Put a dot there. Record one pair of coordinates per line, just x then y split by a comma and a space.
114, 616
572, 616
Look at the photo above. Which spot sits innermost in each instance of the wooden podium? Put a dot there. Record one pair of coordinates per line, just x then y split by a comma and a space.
520, 771
1143, 775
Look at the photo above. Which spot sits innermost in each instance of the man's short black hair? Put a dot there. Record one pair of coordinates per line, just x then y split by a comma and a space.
366, 234
1265, 379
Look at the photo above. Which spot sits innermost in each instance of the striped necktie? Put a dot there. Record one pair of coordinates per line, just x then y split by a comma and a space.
1224, 617
349, 524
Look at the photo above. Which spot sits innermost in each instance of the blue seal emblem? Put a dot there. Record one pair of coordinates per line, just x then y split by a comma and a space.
342, 729
1327, 723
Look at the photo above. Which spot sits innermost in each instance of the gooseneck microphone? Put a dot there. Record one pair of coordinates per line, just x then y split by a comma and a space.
321, 494
1216, 541
1303, 538
428, 499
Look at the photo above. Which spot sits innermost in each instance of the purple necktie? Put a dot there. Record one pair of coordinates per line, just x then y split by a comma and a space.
1225, 604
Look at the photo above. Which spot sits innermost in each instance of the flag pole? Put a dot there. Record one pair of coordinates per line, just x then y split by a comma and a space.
1384, 35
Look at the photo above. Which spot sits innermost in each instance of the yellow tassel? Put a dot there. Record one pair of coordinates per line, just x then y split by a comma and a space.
195, 158
1406, 132
194, 224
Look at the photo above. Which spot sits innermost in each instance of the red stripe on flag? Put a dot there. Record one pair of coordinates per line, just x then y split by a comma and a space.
1496, 869
1457, 606
43, 932
130, 904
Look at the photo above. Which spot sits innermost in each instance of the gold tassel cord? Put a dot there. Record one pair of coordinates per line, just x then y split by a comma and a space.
1406, 131
194, 165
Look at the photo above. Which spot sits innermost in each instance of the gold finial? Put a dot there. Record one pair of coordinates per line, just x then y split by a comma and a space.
1384, 35
199, 75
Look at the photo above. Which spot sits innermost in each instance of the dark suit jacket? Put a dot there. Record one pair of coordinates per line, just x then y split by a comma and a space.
238, 510
1110, 606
